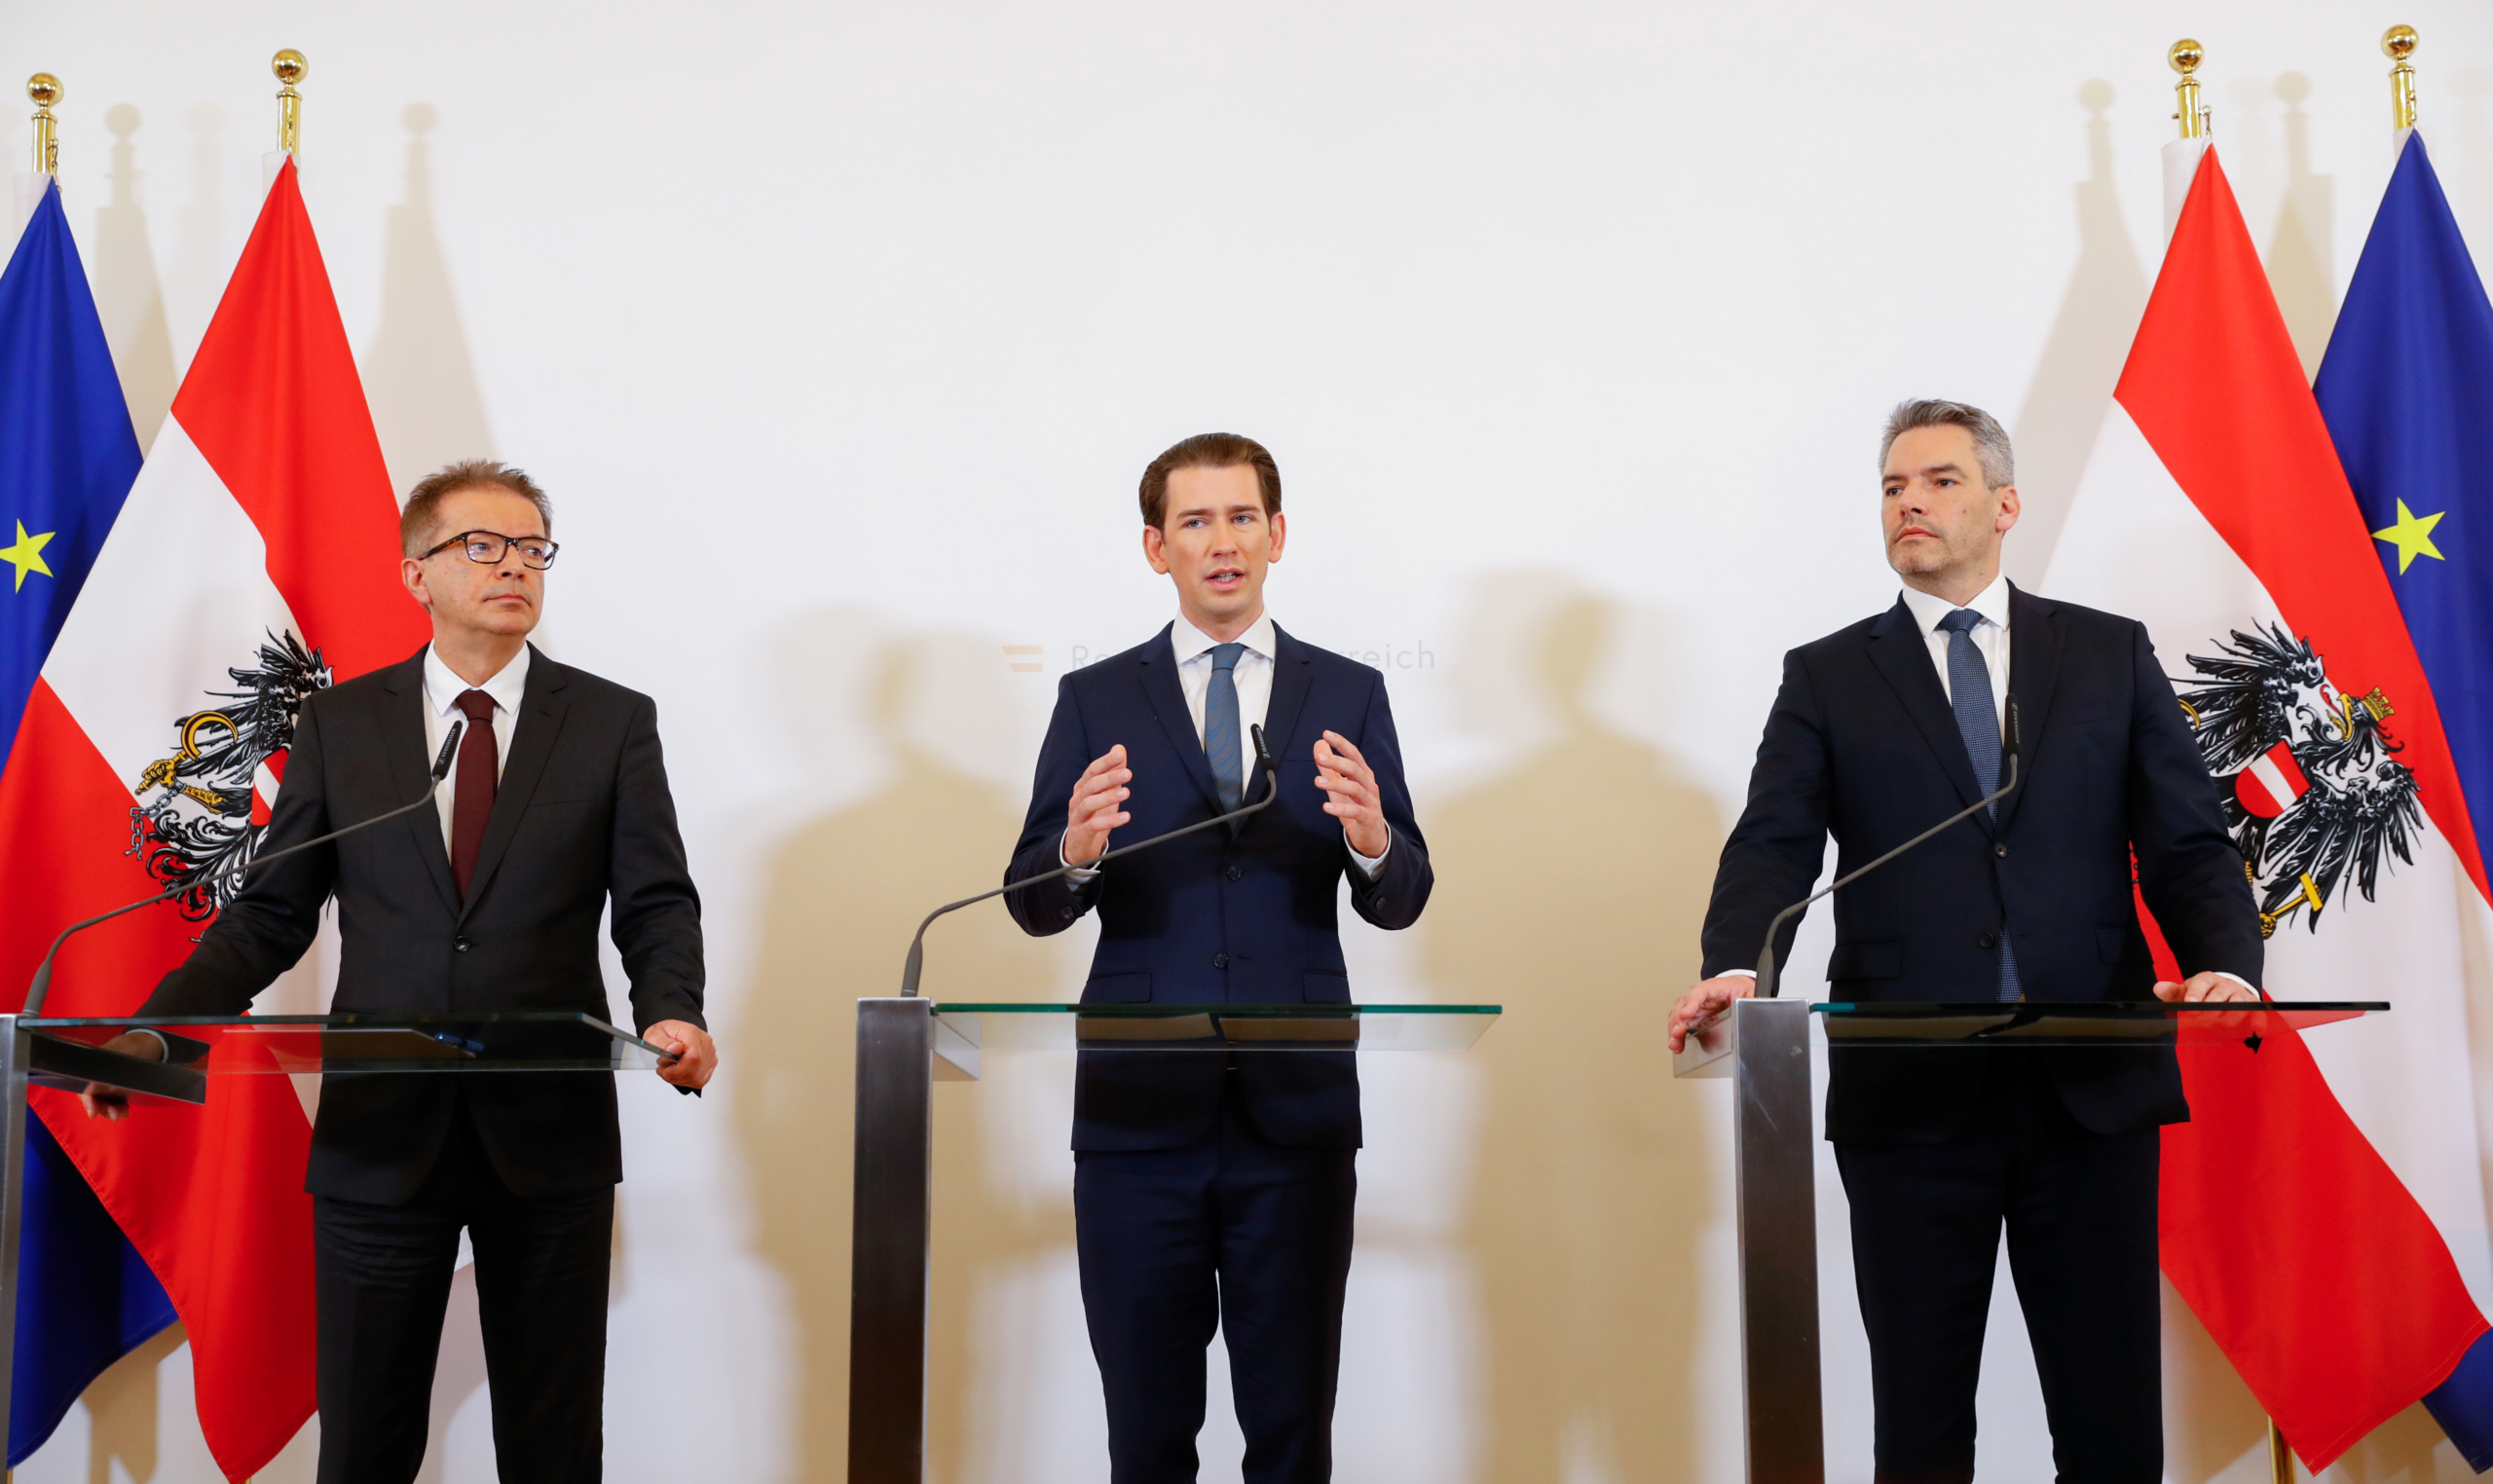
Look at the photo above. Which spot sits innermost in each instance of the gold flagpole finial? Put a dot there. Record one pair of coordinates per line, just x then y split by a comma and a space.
45, 90
2397, 43
290, 68
2185, 56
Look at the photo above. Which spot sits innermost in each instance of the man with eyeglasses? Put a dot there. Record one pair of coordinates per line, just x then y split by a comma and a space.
558, 803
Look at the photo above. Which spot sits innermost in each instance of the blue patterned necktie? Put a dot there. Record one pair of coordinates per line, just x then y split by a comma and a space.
1978, 723
1220, 727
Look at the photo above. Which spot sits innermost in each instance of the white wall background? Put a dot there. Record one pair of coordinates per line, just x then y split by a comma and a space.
841, 332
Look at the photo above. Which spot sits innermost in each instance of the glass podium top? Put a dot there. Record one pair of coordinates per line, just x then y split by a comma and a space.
70, 1053
1153, 1026
1872, 1025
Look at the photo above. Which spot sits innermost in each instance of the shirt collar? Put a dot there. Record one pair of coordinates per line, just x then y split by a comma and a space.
1992, 603
443, 688
1189, 640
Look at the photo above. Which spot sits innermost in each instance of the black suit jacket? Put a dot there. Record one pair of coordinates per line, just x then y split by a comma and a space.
1862, 743
581, 814
1237, 915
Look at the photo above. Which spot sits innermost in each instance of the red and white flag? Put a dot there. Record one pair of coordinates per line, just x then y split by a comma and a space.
2323, 1212
254, 561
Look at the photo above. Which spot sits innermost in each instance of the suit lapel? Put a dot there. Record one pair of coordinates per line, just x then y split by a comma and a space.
1158, 672
1292, 667
541, 708
402, 743
1898, 650
2033, 667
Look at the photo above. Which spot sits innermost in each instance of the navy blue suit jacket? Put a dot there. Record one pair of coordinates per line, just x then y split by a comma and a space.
1239, 915
1862, 743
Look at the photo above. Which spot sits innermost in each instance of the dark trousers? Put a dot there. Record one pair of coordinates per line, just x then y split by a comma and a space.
383, 1283
1230, 1232
2080, 1214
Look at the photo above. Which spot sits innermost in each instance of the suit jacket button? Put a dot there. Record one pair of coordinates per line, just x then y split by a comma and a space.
1238, 872
2001, 850
1221, 960
463, 945
1985, 941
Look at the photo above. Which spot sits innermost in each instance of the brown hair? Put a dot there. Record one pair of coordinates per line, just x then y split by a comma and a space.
1209, 451
424, 501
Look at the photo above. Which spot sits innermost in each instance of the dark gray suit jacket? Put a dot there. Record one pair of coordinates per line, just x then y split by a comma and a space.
583, 813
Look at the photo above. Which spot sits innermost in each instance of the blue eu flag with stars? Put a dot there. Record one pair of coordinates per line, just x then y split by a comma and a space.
2407, 389
68, 457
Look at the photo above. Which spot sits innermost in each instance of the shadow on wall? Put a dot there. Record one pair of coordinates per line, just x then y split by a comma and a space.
2073, 387
844, 891
128, 297
418, 373
1570, 889
2301, 255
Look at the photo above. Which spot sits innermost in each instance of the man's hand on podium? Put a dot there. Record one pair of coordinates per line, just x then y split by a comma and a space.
1709, 998
112, 1103
695, 1057
2209, 988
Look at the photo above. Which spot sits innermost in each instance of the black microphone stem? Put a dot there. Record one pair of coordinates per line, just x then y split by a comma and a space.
1765, 975
40, 986
1265, 764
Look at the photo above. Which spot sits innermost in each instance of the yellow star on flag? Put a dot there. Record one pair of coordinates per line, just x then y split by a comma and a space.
2411, 535
27, 555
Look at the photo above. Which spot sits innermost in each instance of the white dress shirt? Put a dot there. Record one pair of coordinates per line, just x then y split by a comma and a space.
442, 690
1991, 639
1253, 675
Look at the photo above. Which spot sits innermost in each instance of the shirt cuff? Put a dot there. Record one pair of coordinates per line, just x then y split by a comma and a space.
1080, 878
1737, 974
1370, 866
2237, 978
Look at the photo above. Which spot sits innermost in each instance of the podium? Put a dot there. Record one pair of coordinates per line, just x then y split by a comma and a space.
904, 1044
1763, 1045
68, 1053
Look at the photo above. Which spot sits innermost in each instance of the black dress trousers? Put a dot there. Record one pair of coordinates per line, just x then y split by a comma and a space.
2080, 1212
383, 1283
1230, 1232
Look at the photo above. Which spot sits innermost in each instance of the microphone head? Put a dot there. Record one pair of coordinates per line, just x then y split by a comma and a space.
2009, 735
449, 750
1263, 750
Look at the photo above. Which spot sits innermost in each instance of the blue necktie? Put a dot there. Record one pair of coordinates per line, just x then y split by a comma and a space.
1978, 723
1220, 727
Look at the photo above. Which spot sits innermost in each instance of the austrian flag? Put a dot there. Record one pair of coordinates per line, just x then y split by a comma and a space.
252, 562
2323, 1210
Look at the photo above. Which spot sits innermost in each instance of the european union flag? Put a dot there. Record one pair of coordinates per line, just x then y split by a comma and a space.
2407, 389
68, 457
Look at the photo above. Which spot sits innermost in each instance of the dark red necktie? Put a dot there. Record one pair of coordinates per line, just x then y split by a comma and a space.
471, 801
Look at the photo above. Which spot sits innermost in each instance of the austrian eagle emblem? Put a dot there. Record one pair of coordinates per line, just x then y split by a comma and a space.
2313, 792
202, 809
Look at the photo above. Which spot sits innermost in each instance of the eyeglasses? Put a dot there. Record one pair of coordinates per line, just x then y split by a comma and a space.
487, 546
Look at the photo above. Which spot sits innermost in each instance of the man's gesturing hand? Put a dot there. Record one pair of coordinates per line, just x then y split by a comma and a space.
1342, 772
695, 1057
2203, 987
1096, 805
1704, 1000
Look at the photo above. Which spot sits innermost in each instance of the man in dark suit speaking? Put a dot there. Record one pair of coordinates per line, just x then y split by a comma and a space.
1210, 1189
557, 805
1880, 730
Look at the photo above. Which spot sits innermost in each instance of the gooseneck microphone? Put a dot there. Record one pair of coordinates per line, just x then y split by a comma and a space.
2008, 748
1264, 763
41, 985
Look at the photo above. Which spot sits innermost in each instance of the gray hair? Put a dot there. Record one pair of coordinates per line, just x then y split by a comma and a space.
1991, 440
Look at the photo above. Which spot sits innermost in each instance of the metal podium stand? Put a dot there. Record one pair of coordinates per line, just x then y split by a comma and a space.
907, 1043
68, 1053
1763, 1046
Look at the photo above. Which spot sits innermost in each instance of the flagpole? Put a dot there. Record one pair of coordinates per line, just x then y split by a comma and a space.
2184, 57
45, 90
2280, 1458
290, 68
2397, 43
